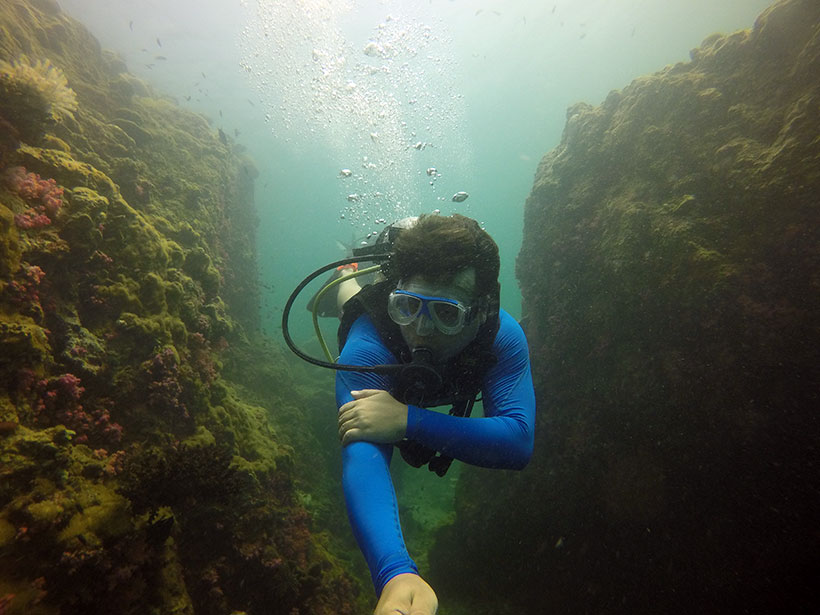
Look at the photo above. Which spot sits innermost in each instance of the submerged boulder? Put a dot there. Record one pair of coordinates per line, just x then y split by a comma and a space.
669, 276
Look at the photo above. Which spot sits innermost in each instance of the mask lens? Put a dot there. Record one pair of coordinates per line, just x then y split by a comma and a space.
403, 308
447, 314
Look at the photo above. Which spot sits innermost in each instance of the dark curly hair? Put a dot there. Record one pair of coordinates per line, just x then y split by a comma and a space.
441, 246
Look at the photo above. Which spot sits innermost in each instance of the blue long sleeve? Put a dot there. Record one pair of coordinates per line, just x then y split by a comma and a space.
503, 438
372, 508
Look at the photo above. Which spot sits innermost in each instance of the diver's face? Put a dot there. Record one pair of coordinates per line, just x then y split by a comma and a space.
422, 332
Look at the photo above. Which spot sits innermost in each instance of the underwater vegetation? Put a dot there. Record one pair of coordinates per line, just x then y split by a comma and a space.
144, 467
669, 275
35, 93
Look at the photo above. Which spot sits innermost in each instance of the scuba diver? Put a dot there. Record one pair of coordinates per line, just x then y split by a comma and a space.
427, 332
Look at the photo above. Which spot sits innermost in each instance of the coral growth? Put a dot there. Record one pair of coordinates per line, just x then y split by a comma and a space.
23, 291
163, 386
180, 476
125, 281
38, 81
43, 196
59, 403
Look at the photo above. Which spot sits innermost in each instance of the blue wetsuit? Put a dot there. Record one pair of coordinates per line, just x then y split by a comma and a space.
503, 438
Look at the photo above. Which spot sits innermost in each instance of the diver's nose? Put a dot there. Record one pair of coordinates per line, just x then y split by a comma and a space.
424, 326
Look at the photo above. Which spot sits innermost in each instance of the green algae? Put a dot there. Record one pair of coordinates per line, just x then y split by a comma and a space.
10, 249
148, 284
101, 515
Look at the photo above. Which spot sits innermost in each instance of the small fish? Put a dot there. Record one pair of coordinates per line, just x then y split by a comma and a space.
236, 132
187, 98
131, 25
345, 173
458, 197
432, 171
149, 66
220, 113
160, 58
203, 75
159, 42
223, 137
250, 102
353, 197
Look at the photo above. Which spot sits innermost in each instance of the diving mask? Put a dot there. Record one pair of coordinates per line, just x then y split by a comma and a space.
448, 315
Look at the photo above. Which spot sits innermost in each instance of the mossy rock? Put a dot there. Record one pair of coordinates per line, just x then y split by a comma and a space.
85, 200
152, 332
10, 249
152, 293
129, 114
66, 171
174, 297
23, 344
198, 265
103, 514
129, 238
186, 235
52, 142
82, 234
140, 136
27, 108
221, 324
83, 351
122, 295
8, 532
176, 255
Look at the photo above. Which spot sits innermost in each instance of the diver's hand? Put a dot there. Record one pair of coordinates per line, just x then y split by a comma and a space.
373, 416
407, 594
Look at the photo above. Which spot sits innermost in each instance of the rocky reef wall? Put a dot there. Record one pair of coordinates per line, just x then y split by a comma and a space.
142, 468
670, 271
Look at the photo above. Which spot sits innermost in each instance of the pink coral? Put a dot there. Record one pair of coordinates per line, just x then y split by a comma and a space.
164, 388
60, 404
31, 220
26, 291
202, 358
44, 196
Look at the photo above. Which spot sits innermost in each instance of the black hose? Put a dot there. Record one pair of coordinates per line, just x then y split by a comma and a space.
379, 369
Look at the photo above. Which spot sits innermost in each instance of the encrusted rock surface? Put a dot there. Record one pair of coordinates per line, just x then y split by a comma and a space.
136, 476
670, 271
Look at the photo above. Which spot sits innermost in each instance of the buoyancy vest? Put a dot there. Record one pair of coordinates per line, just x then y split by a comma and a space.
462, 376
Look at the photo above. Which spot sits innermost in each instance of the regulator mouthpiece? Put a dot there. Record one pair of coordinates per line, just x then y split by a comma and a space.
419, 378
